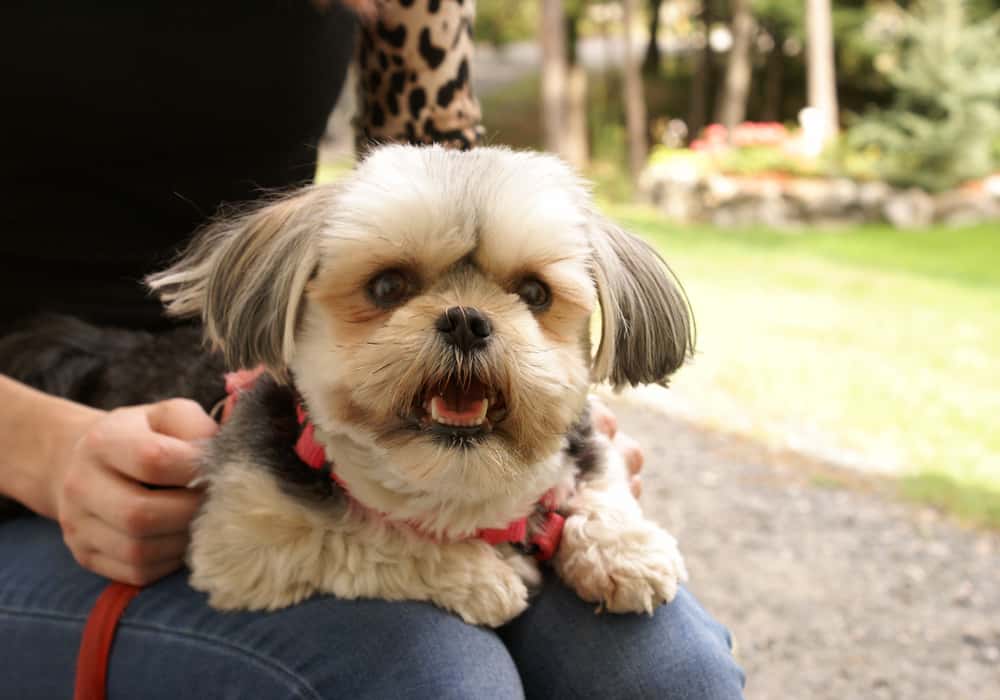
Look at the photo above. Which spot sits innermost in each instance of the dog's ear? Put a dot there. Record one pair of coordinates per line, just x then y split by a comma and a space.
647, 329
245, 277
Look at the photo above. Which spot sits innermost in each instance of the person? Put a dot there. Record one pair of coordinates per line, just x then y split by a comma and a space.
128, 125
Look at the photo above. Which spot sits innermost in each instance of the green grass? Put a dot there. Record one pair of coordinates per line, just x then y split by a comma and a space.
870, 345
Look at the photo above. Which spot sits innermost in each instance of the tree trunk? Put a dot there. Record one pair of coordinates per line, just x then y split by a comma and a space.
576, 148
774, 75
554, 75
701, 80
651, 64
733, 109
822, 84
635, 102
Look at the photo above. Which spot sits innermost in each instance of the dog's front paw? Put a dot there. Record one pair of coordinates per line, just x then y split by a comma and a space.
489, 592
252, 583
631, 567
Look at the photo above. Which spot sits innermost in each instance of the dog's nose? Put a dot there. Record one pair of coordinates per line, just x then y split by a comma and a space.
465, 327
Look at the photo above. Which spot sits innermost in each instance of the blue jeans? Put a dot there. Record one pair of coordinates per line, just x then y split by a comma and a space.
171, 645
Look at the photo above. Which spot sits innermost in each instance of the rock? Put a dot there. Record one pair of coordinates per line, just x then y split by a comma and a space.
964, 207
912, 208
872, 197
720, 189
684, 192
822, 198
682, 202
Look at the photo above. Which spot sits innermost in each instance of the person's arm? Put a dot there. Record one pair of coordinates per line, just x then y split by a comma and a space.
414, 82
91, 469
35, 429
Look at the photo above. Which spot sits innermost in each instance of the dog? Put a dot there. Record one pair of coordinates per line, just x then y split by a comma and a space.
425, 323
420, 427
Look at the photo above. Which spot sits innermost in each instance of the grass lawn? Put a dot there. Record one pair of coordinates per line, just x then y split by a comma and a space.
867, 345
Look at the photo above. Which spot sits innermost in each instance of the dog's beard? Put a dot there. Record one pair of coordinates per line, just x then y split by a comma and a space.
474, 422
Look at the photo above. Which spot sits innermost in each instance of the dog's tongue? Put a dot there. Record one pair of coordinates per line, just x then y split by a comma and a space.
460, 405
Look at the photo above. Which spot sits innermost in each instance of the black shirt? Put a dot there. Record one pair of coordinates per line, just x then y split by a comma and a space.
124, 126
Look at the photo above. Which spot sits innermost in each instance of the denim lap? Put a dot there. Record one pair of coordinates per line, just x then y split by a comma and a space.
170, 644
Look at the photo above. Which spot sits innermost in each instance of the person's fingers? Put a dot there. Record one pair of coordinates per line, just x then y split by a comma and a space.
635, 485
125, 442
126, 573
602, 418
134, 551
631, 452
137, 511
181, 418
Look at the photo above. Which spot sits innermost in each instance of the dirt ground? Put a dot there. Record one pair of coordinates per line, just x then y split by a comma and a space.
831, 587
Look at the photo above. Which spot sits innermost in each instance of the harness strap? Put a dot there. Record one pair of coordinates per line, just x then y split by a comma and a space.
542, 545
98, 634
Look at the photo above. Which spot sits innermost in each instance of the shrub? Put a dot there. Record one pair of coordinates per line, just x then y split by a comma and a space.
945, 119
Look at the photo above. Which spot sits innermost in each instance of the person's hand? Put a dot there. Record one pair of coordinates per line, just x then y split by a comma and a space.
605, 422
112, 521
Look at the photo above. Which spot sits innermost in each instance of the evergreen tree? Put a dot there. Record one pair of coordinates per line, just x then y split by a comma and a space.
945, 118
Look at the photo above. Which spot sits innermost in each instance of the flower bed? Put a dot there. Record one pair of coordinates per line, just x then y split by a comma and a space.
768, 175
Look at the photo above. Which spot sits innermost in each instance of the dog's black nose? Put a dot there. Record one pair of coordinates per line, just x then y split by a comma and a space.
465, 327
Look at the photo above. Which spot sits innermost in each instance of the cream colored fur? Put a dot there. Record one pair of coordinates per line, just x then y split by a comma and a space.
610, 553
467, 229
253, 547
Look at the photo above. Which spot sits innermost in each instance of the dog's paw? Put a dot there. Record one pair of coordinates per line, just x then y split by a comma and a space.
490, 593
245, 593
623, 567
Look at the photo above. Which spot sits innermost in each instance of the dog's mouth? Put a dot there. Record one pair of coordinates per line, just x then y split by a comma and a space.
460, 409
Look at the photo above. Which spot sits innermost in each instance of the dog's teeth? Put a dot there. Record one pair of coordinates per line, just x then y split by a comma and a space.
433, 408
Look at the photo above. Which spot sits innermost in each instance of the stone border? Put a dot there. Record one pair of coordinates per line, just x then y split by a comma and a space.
784, 201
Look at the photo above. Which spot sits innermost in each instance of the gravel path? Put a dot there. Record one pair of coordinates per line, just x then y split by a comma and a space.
832, 588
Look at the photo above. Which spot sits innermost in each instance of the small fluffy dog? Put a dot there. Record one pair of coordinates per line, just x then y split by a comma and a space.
425, 328
422, 428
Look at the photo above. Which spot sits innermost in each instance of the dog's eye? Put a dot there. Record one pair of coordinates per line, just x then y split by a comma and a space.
534, 293
389, 288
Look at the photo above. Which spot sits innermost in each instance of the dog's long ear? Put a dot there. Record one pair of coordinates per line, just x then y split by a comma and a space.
245, 277
647, 328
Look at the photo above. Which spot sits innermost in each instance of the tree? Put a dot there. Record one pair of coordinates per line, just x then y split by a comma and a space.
780, 21
635, 102
500, 22
576, 142
651, 63
822, 83
554, 75
733, 107
702, 76
944, 125
563, 84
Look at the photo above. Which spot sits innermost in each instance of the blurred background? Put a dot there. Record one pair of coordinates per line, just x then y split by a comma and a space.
824, 178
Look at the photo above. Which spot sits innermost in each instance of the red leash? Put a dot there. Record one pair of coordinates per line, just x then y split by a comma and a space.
95, 647
99, 633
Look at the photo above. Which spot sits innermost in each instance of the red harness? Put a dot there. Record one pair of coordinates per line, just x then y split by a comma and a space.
543, 543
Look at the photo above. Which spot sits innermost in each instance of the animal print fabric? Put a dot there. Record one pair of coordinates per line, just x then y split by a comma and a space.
413, 80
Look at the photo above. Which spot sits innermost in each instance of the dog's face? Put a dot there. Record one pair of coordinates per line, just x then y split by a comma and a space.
436, 306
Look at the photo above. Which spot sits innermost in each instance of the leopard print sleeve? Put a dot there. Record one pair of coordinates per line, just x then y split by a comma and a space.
413, 80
